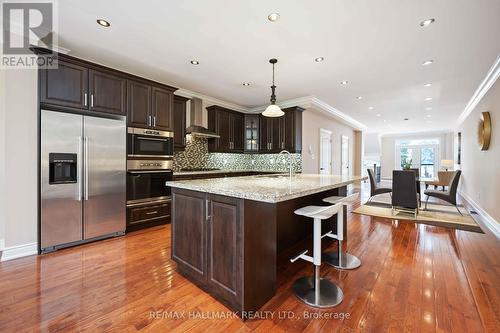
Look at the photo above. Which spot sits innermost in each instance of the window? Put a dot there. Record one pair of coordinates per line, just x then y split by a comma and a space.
419, 154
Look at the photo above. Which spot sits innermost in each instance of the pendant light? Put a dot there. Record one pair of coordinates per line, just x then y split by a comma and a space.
273, 110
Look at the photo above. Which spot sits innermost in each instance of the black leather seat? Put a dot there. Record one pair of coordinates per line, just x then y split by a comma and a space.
449, 196
374, 189
404, 191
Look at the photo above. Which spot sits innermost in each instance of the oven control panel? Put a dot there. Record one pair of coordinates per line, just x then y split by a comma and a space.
149, 165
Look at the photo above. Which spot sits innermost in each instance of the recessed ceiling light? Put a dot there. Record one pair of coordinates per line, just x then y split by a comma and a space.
195, 62
427, 84
385, 121
344, 83
429, 115
427, 22
378, 114
405, 119
428, 108
246, 84
359, 97
428, 99
427, 62
319, 59
273, 17
103, 22
371, 108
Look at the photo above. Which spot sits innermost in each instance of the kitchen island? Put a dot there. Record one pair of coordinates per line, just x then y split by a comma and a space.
230, 235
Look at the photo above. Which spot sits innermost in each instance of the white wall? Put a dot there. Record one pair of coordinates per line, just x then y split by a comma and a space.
480, 181
388, 151
19, 161
312, 121
2, 159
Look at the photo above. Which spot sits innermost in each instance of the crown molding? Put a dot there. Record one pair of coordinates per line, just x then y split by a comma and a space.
211, 100
483, 88
314, 102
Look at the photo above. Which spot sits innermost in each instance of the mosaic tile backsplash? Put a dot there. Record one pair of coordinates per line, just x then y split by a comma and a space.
196, 155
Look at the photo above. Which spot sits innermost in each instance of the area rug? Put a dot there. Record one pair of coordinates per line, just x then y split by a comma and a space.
436, 214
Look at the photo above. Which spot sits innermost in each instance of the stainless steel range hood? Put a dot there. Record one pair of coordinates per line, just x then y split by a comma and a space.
196, 116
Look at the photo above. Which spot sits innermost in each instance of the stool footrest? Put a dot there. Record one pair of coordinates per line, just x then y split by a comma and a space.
331, 235
302, 255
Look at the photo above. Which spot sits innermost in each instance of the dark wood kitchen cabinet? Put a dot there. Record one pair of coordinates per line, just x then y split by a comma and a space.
214, 259
139, 104
65, 86
107, 92
162, 108
283, 132
229, 125
77, 86
179, 122
150, 106
252, 135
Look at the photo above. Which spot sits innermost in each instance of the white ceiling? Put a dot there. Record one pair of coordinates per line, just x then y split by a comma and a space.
377, 46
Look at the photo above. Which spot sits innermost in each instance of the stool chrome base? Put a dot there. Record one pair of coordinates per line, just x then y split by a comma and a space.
347, 260
329, 293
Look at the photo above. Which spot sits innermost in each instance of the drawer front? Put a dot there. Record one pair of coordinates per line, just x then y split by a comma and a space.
146, 214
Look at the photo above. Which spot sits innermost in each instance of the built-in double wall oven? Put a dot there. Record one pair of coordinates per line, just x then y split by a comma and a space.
149, 167
149, 143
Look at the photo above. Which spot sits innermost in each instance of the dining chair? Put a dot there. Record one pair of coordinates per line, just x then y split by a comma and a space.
404, 191
374, 189
450, 195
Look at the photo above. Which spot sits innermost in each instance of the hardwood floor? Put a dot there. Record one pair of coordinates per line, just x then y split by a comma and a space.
413, 277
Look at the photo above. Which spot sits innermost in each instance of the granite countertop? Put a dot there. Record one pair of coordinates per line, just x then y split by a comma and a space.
208, 172
267, 188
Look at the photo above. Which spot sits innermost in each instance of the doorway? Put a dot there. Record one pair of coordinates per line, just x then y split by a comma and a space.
344, 155
325, 152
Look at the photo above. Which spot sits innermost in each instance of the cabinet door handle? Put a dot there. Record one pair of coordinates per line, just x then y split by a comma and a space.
154, 121
91, 100
85, 99
152, 213
207, 205
149, 120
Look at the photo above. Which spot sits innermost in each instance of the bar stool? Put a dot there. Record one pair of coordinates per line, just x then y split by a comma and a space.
339, 258
314, 290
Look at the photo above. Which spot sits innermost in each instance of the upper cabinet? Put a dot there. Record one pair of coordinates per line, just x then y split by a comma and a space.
65, 86
139, 104
229, 125
162, 108
179, 122
150, 106
107, 92
283, 132
78, 84
251, 133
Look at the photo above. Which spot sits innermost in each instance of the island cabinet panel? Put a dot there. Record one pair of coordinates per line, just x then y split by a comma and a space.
66, 85
107, 92
189, 234
224, 249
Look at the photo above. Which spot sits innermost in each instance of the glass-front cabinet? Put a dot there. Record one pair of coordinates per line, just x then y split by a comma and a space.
251, 133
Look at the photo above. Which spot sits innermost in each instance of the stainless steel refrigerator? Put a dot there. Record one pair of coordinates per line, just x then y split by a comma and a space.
83, 178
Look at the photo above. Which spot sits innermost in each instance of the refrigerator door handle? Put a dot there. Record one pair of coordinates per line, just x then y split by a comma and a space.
86, 167
79, 168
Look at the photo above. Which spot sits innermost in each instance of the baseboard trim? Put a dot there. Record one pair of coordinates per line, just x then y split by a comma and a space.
19, 251
488, 220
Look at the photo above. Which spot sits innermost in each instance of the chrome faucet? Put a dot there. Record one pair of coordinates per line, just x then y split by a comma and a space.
290, 165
